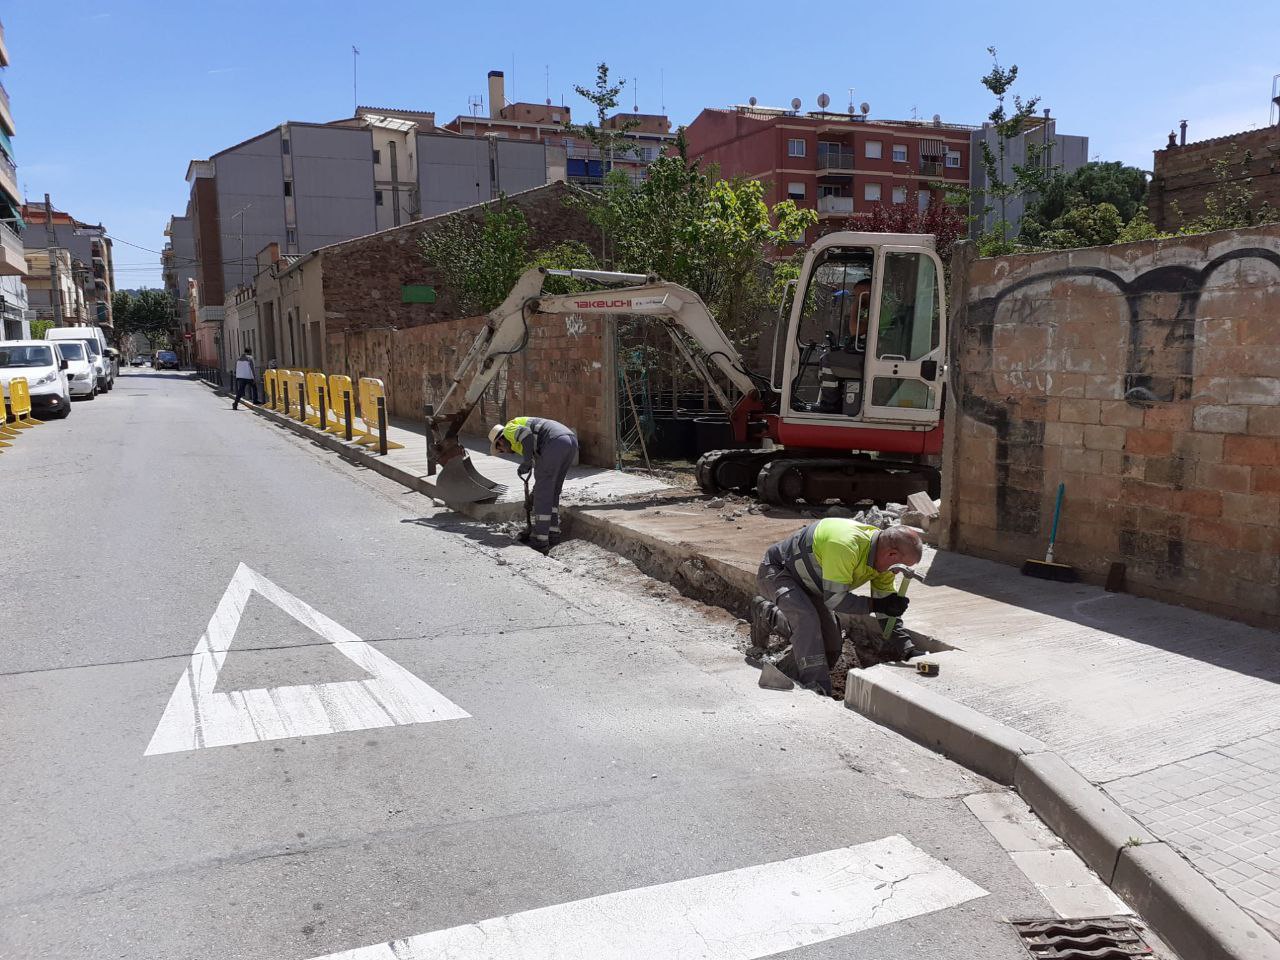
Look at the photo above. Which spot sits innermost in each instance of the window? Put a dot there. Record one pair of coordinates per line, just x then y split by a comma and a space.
377, 156
874, 149
288, 188
290, 236
284, 146
953, 158
836, 309
899, 153
908, 329
795, 190
795, 148
377, 198
923, 200
555, 117
871, 191
899, 194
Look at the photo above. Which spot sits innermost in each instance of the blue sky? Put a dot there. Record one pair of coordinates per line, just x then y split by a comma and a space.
112, 99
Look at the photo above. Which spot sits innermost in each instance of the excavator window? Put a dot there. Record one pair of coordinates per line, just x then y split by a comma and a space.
834, 319
908, 328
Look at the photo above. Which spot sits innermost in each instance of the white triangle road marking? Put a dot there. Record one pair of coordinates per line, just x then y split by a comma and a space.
744, 914
197, 716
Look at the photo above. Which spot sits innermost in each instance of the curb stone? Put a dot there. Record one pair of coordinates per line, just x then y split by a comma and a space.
1185, 909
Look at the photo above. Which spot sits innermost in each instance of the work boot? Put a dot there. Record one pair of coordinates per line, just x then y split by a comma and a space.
761, 622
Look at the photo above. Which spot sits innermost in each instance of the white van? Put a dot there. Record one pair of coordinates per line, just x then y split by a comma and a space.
97, 342
45, 370
82, 378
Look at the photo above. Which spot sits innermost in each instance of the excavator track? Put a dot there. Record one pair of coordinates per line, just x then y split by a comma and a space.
792, 481
732, 471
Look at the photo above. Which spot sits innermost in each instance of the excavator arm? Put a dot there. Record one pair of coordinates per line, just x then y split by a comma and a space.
506, 333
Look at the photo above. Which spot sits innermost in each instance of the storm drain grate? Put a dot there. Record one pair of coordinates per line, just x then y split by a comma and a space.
1098, 938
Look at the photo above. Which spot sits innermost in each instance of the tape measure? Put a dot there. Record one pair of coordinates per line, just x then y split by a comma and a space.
926, 668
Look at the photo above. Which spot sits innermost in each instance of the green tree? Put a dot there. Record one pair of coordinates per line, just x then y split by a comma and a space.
480, 260
1124, 187
151, 314
609, 138
1005, 179
1085, 226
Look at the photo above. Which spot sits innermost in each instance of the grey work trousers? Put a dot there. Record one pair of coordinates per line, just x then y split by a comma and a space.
816, 639
550, 466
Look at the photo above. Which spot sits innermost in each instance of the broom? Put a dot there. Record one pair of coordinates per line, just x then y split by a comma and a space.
1046, 569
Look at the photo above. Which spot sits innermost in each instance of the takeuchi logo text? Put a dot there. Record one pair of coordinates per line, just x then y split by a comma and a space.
600, 304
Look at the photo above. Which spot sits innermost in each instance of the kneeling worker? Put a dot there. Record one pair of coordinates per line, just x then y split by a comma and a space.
547, 450
809, 577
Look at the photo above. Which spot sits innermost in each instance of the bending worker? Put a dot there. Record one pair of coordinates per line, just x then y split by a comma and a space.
547, 450
809, 577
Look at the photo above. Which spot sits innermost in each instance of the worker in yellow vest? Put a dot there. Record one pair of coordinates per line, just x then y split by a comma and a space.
547, 449
808, 578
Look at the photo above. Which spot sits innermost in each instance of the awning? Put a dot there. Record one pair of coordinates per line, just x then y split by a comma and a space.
932, 148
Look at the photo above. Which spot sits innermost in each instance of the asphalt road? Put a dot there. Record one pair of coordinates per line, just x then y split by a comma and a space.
528, 760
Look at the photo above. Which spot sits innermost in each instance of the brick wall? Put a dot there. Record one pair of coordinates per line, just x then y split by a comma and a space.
363, 277
565, 373
1146, 377
1184, 175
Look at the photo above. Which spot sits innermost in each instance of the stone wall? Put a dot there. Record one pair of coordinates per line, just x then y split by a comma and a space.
1183, 176
1146, 377
565, 373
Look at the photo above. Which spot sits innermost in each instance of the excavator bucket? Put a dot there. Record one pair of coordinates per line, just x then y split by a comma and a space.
460, 482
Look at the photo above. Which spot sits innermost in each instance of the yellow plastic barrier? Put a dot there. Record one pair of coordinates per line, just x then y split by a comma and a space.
270, 389
7, 432
339, 388
371, 391
296, 383
315, 383
20, 404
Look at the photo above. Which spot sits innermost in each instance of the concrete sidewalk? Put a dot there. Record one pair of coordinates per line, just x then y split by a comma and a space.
1173, 714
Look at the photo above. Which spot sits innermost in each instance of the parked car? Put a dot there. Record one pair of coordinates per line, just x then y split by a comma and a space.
138, 361
165, 360
82, 379
45, 370
97, 342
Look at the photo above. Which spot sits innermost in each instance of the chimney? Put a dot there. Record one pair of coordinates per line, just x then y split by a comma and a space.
497, 96
1182, 140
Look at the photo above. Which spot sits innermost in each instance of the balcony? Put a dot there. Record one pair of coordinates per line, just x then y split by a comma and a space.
4, 48
835, 206
13, 262
9, 177
931, 168
6, 116
834, 160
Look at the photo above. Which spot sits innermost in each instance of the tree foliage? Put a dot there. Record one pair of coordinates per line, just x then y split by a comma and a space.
1229, 203
1123, 187
480, 259
150, 314
714, 236
947, 224
1005, 179
603, 96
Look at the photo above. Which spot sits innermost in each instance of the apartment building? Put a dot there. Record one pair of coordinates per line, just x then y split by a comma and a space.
648, 134
839, 164
178, 269
14, 307
305, 185
90, 251
68, 281
1061, 151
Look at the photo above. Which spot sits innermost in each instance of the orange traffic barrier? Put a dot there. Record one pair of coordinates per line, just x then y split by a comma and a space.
270, 389
373, 411
317, 384
342, 405
20, 404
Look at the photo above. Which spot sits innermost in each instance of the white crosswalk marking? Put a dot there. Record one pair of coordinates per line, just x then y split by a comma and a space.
199, 716
738, 915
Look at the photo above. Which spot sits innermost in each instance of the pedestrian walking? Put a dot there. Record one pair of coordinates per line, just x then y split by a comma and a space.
808, 578
547, 450
246, 378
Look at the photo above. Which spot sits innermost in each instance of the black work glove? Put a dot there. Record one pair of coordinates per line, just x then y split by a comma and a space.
891, 606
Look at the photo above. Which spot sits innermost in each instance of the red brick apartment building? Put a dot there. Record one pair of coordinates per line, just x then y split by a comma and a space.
840, 164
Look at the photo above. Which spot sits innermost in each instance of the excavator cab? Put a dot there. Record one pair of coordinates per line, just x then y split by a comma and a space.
866, 344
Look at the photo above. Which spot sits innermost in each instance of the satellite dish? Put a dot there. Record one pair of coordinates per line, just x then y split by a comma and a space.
823, 100
548, 101
864, 107
937, 119
795, 103
752, 101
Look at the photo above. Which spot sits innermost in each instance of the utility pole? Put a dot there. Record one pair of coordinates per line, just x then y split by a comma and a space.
55, 295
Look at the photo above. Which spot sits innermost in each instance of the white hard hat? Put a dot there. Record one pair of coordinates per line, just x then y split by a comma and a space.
494, 433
